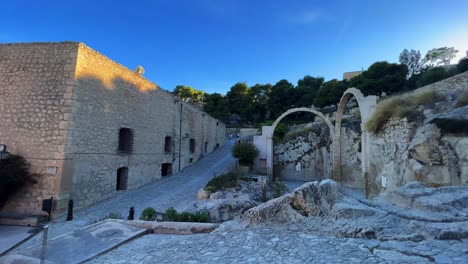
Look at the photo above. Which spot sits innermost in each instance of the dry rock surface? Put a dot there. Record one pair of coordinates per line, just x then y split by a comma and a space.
321, 223
413, 212
230, 203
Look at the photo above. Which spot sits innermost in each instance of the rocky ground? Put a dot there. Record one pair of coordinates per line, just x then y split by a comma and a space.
280, 245
322, 223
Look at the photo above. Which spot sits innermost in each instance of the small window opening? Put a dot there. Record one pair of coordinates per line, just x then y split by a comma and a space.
192, 145
122, 179
217, 145
166, 169
190, 160
217, 123
167, 144
206, 147
125, 140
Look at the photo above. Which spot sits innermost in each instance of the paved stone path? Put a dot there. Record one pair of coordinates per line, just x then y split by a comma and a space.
80, 245
280, 245
174, 191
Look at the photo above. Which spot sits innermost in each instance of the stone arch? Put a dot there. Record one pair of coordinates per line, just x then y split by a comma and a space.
304, 109
366, 105
268, 131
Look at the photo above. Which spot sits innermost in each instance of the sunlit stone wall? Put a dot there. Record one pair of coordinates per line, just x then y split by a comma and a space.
62, 105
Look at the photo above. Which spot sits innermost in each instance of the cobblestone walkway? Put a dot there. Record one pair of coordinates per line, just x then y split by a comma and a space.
281, 246
174, 191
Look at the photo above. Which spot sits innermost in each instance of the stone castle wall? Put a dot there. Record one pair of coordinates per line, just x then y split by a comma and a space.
35, 104
75, 100
109, 97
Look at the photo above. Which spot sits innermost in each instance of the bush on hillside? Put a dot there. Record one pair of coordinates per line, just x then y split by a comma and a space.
434, 75
462, 65
245, 153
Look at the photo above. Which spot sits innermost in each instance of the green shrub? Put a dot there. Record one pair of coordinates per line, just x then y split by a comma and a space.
223, 181
172, 215
434, 75
245, 152
400, 106
462, 65
278, 189
149, 214
202, 217
14, 174
463, 99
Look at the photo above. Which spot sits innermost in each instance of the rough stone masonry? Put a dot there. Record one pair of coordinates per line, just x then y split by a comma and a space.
91, 127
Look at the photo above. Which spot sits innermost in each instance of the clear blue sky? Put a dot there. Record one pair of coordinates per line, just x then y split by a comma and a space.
212, 44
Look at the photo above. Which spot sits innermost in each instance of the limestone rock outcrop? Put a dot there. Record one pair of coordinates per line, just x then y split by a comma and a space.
311, 199
229, 204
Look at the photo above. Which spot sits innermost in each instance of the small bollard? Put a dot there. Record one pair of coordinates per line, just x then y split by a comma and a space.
131, 214
70, 210
44, 244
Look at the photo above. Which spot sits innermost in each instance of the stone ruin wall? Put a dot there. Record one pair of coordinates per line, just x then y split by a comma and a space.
35, 104
313, 151
401, 153
404, 151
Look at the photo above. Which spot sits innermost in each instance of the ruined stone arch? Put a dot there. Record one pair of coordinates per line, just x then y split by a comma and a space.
268, 133
366, 106
304, 109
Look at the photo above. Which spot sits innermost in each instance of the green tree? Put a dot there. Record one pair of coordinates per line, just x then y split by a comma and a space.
440, 56
306, 90
330, 93
257, 109
238, 98
185, 92
217, 106
381, 77
279, 100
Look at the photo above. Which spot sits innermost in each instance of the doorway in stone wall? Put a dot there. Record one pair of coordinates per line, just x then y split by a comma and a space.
122, 179
166, 169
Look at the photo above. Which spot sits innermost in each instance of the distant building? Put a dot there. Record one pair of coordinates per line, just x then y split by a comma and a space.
349, 75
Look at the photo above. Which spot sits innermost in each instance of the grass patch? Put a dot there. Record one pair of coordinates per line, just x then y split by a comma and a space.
223, 181
402, 106
303, 132
463, 99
